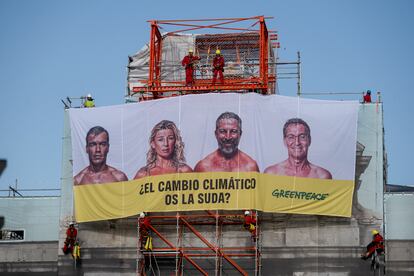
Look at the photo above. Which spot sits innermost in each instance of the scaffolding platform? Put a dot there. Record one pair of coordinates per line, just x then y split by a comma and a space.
245, 44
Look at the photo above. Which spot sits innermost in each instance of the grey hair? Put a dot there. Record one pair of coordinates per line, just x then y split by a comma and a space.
229, 115
296, 121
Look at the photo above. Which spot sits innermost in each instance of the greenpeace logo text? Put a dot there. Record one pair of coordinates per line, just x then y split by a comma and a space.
299, 195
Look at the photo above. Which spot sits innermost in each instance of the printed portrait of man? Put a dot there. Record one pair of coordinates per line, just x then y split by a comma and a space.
228, 157
297, 139
97, 148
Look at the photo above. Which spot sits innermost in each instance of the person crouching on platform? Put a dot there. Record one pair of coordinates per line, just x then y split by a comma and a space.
89, 102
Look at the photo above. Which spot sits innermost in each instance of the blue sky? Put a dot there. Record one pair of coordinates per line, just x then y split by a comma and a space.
53, 49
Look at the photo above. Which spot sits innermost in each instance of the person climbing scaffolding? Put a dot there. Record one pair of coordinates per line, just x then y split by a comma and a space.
250, 224
71, 234
145, 231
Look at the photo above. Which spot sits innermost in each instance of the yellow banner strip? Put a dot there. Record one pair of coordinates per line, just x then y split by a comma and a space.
213, 191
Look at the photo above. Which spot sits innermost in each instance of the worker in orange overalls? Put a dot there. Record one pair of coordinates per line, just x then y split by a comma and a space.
218, 67
250, 224
71, 234
144, 230
188, 63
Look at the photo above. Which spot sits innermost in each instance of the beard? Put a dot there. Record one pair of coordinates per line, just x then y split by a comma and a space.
228, 147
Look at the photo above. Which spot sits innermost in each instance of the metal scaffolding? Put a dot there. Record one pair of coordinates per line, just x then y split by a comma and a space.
247, 50
211, 255
194, 241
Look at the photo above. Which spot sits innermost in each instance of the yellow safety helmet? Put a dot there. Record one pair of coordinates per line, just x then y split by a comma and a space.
374, 232
191, 51
218, 52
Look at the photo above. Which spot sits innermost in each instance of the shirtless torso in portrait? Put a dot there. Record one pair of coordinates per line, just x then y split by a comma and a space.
216, 162
302, 169
106, 175
158, 170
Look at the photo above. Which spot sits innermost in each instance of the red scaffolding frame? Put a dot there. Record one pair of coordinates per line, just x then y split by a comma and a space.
191, 254
263, 82
256, 38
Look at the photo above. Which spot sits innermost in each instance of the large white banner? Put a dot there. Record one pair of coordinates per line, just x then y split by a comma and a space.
332, 130
227, 132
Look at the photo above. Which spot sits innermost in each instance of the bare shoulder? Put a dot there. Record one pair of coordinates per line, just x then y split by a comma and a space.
119, 175
141, 173
276, 169
184, 168
249, 163
321, 172
205, 164
78, 178
201, 166
244, 156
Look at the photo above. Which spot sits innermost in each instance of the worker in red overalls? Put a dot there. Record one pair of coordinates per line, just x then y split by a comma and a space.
367, 97
144, 230
218, 67
188, 63
71, 234
377, 244
250, 224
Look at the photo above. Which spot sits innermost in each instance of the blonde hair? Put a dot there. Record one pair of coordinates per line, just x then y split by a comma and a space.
177, 157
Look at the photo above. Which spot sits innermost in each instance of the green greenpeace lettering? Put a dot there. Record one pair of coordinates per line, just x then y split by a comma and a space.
299, 195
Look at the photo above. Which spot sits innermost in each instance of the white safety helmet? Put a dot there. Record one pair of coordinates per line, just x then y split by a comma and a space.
89, 96
142, 215
246, 213
191, 51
